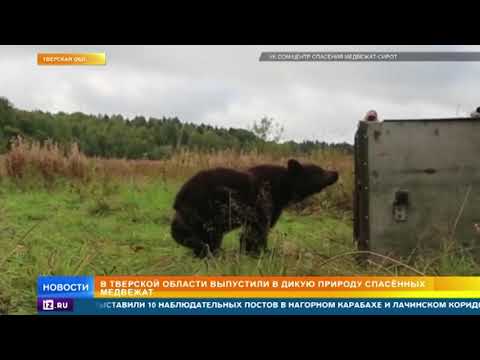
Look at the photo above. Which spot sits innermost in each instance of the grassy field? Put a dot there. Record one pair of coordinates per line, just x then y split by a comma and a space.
113, 217
125, 229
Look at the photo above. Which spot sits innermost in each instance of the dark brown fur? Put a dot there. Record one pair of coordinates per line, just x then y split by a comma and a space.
216, 201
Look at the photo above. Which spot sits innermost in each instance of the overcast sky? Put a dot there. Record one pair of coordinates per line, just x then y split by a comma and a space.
228, 86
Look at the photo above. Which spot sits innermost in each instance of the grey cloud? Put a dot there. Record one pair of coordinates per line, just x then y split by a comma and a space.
228, 86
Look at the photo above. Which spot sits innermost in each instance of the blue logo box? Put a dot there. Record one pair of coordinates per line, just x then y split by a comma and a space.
76, 287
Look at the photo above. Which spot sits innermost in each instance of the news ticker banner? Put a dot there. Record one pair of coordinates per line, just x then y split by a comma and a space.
71, 59
257, 295
364, 56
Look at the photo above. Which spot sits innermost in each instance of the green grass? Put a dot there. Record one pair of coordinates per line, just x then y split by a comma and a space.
108, 228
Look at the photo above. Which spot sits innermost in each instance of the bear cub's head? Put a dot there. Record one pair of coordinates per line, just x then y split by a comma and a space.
308, 179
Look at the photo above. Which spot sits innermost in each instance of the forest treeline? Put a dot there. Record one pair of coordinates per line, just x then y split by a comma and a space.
154, 138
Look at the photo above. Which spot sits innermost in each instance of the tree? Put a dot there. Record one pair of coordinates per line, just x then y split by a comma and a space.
116, 136
268, 130
139, 121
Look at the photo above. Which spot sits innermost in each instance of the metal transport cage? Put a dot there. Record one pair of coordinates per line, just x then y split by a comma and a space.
417, 185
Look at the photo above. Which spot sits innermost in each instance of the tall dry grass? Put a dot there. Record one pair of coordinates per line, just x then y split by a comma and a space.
27, 158
50, 161
3, 168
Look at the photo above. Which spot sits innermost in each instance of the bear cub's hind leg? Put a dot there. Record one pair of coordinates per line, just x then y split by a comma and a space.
196, 238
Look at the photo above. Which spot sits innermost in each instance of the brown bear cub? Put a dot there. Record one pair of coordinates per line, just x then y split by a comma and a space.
216, 201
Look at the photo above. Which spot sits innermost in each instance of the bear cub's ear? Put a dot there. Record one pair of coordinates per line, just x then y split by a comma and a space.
294, 167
